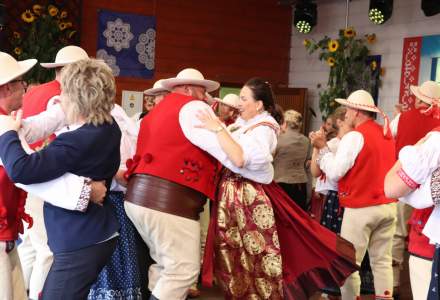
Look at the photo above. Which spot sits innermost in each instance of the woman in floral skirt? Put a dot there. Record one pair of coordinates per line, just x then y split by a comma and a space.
264, 245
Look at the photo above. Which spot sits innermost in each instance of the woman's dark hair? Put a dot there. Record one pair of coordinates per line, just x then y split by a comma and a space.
262, 90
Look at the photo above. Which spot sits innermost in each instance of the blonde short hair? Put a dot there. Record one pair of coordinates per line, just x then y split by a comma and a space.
89, 86
293, 119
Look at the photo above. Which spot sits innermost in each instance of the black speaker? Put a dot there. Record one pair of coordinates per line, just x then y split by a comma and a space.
430, 7
2, 15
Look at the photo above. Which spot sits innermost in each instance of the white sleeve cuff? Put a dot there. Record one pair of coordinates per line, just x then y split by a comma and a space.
64, 191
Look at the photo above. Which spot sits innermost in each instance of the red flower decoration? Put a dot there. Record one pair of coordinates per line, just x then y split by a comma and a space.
131, 164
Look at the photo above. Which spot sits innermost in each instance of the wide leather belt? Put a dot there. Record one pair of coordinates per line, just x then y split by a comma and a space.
165, 196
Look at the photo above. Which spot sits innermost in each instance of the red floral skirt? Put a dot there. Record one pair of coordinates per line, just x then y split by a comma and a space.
263, 246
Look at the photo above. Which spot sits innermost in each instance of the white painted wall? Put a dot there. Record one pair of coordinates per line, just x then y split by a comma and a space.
407, 20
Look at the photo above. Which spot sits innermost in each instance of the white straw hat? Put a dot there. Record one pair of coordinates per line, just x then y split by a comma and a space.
361, 100
231, 100
156, 89
192, 77
65, 56
11, 69
428, 92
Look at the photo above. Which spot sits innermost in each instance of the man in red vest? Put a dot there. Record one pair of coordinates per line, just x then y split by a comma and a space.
35, 255
359, 166
408, 128
171, 176
12, 199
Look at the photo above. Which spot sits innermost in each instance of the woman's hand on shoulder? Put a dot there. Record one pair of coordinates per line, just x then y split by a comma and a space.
208, 121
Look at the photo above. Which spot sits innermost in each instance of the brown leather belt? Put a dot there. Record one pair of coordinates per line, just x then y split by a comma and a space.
165, 196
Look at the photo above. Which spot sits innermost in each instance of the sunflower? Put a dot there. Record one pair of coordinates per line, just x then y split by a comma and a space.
27, 16
68, 24
63, 14
62, 26
37, 9
306, 43
333, 45
349, 32
331, 61
17, 35
71, 34
373, 65
371, 38
17, 50
53, 11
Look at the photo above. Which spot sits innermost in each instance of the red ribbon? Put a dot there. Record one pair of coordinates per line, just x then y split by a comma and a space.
433, 111
22, 215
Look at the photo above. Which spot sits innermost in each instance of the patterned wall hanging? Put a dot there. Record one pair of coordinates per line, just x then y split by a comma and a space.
126, 42
420, 62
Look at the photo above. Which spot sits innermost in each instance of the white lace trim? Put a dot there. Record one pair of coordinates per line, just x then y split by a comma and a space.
110, 60
145, 48
108, 294
118, 35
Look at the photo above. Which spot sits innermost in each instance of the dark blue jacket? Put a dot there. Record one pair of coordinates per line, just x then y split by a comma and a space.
89, 151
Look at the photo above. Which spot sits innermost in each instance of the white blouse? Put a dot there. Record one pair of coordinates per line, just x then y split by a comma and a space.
258, 144
336, 165
328, 184
418, 162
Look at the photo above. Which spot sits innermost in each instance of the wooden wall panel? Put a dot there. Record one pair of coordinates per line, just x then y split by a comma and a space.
229, 41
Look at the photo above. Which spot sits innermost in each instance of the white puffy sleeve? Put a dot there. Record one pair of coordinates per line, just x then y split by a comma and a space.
41, 126
419, 161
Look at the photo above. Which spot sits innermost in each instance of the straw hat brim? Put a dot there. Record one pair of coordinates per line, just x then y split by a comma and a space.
155, 91
416, 92
210, 85
57, 65
25, 66
225, 103
357, 106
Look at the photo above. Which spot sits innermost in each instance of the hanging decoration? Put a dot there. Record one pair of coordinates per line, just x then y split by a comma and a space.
127, 42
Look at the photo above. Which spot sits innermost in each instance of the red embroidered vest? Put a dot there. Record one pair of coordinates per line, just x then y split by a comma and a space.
363, 185
413, 125
164, 151
12, 200
35, 101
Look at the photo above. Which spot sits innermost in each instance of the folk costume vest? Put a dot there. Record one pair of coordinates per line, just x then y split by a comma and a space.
164, 151
12, 201
363, 185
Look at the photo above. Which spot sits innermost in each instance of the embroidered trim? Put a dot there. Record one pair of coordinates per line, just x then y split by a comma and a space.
435, 187
133, 293
273, 126
407, 180
84, 197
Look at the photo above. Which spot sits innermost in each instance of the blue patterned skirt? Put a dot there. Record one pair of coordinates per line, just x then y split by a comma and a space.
120, 279
332, 212
434, 293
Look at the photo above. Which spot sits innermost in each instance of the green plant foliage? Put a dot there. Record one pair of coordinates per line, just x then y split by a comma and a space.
347, 57
44, 31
